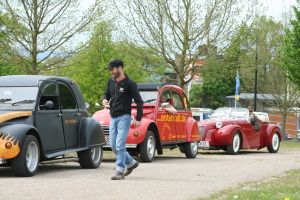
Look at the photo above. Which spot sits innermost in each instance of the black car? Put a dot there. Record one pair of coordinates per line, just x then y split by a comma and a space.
42, 120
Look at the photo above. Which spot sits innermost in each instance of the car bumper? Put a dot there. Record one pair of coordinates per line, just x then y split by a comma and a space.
3, 161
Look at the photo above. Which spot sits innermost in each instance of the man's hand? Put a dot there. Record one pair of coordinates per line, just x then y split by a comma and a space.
137, 123
105, 103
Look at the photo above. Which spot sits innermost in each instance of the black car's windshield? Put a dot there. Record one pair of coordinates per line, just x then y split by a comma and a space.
24, 97
149, 96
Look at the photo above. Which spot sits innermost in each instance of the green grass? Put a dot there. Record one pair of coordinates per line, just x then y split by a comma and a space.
284, 187
287, 146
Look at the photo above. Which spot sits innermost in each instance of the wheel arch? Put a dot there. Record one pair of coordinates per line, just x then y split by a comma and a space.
17, 133
193, 130
271, 130
91, 133
152, 127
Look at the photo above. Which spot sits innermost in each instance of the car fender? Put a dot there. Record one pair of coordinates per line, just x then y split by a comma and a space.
267, 136
14, 134
91, 133
137, 135
223, 136
193, 133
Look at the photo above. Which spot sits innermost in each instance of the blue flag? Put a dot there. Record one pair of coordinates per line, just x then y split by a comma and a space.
237, 86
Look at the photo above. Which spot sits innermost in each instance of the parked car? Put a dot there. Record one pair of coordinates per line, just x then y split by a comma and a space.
230, 129
160, 129
298, 136
288, 136
42, 119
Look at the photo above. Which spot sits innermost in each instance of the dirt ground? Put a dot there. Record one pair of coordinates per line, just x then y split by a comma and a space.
168, 177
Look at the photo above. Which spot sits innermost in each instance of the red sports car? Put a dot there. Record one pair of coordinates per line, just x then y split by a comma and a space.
230, 129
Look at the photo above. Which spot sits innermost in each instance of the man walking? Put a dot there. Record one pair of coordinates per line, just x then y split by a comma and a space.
120, 91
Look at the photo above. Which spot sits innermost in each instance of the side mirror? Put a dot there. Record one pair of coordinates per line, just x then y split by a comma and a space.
165, 104
97, 105
49, 105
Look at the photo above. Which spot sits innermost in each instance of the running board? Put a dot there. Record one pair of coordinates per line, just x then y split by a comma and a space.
60, 160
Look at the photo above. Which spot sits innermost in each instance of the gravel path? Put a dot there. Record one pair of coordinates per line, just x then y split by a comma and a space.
166, 178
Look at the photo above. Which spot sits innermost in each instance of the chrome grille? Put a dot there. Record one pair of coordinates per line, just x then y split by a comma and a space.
201, 129
105, 129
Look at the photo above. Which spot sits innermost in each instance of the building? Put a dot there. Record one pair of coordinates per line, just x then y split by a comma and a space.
292, 125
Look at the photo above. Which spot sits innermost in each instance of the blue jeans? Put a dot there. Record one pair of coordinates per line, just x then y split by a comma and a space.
118, 132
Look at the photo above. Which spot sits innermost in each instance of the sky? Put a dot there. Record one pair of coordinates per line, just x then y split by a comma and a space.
277, 8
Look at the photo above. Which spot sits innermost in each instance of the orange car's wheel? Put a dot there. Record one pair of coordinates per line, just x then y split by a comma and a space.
235, 146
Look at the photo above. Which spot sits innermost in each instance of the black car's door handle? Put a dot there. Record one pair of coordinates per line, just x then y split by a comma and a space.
59, 115
78, 114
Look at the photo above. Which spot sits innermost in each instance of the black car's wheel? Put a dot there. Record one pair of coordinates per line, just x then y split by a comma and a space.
91, 158
274, 147
191, 149
147, 147
235, 146
27, 162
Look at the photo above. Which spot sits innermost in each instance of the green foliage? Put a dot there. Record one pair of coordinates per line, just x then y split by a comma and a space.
262, 45
88, 67
218, 79
291, 49
5, 67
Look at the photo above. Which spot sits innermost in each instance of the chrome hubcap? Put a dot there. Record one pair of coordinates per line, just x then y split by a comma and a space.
236, 143
151, 146
32, 156
194, 147
96, 154
275, 141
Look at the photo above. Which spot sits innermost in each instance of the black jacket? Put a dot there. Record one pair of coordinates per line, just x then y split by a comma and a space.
120, 96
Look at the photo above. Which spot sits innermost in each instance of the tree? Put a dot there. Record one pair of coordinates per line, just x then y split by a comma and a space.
284, 92
291, 48
87, 68
218, 75
176, 29
42, 29
263, 46
6, 68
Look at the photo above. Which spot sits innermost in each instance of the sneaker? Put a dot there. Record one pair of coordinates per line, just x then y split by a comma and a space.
118, 176
130, 169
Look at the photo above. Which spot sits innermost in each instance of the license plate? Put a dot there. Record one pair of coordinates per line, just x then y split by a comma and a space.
204, 144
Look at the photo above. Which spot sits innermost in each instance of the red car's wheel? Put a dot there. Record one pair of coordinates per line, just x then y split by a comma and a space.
147, 148
235, 146
274, 147
190, 149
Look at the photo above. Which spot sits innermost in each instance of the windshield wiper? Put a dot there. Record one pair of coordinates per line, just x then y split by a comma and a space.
23, 102
4, 100
149, 100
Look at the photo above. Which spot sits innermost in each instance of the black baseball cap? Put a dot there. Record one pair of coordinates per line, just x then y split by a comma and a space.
115, 63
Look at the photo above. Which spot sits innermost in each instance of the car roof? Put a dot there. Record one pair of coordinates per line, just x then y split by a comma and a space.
151, 86
28, 80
